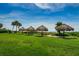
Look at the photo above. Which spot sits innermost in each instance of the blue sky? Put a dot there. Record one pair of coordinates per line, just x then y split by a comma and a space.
36, 14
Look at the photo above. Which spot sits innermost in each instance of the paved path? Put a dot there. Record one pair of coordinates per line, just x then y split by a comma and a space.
51, 36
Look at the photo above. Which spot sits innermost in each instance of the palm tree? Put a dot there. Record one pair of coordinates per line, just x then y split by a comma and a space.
17, 24
13, 24
57, 25
1, 25
42, 28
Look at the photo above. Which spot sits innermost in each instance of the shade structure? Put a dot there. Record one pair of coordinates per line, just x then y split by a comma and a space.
30, 28
64, 27
21, 29
42, 28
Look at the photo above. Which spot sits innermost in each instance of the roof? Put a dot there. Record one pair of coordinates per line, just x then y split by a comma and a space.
64, 27
30, 28
42, 28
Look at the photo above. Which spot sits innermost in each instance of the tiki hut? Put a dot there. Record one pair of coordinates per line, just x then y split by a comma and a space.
63, 28
30, 30
41, 29
21, 29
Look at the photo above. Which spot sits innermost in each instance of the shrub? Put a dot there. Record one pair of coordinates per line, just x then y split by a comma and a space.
5, 31
74, 34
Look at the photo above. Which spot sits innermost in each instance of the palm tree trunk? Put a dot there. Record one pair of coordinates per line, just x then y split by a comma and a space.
12, 28
16, 28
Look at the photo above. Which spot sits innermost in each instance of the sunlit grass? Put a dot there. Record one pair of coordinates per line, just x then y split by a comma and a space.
21, 44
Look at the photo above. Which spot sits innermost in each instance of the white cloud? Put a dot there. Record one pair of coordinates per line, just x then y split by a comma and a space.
43, 5
55, 6
51, 6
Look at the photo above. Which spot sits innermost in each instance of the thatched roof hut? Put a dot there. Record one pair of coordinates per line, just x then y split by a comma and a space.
21, 29
30, 28
64, 27
42, 28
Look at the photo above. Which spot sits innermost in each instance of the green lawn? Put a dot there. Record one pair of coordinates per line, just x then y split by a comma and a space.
23, 45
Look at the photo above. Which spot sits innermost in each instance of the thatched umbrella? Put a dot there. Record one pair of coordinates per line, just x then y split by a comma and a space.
21, 29
42, 29
64, 27
30, 29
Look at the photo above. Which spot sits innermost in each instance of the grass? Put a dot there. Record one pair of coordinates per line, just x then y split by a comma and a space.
23, 45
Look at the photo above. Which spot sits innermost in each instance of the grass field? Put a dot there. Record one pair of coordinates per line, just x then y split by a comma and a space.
23, 45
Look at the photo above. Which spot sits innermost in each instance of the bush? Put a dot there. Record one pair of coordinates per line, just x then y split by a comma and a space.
74, 34
5, 31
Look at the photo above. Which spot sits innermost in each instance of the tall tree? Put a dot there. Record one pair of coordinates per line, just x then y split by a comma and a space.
17, 24
13, 24
57, 25
1, 25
